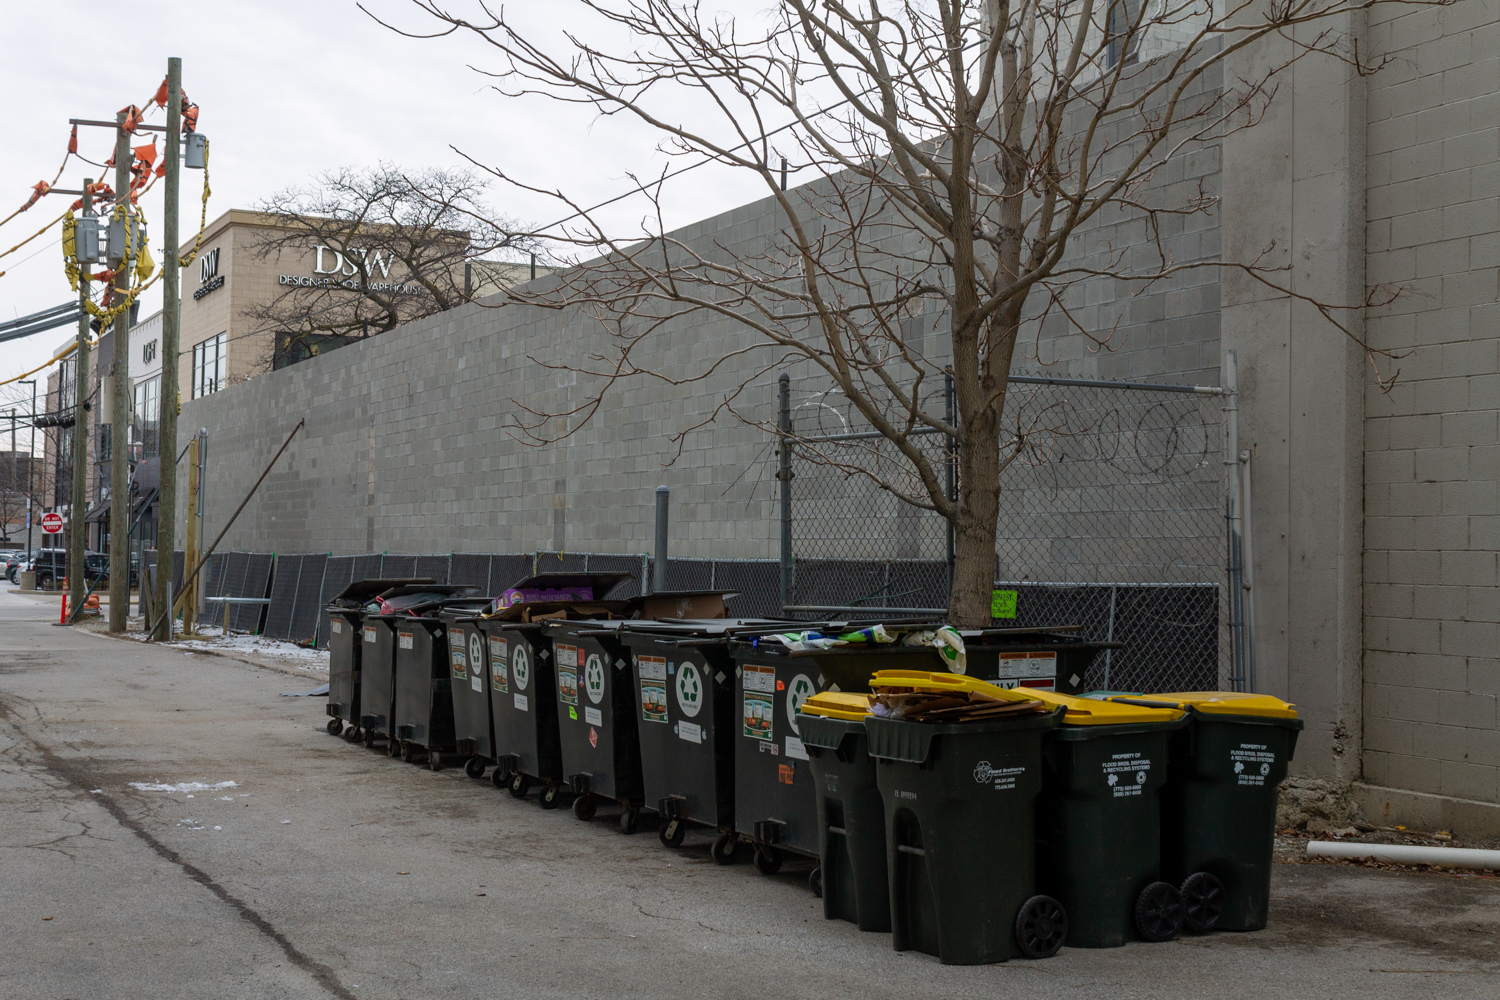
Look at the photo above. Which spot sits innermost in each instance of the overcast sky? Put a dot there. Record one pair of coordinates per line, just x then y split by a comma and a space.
288, 88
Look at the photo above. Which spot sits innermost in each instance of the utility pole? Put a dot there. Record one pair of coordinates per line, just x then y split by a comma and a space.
78, 505
190, 542
30, 462
14, 476
119, 418
166, 504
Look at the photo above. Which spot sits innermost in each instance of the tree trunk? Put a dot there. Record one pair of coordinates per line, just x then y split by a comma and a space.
976, 520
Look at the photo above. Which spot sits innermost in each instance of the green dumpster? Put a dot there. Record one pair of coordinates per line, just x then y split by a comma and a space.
1219, 803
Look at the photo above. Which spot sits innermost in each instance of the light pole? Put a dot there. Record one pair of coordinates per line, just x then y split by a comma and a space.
30, 461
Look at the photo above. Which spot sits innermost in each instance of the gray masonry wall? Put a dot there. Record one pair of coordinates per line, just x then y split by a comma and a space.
1432, 454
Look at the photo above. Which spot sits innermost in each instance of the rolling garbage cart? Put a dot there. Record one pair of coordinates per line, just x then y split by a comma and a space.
346, 614
960, 828
469, 682
1098, 821
377, 709
851, 813
684, 691
422, 712
1219, 803
522, 685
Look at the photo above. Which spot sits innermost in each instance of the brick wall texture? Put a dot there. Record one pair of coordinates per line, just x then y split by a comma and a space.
1432, 454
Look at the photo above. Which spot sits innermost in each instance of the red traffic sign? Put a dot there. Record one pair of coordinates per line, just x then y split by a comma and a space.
52, 523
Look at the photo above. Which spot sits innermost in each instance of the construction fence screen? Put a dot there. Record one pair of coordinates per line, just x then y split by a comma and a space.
1112, 518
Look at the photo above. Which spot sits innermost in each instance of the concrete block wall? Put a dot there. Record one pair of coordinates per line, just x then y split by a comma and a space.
1432, 444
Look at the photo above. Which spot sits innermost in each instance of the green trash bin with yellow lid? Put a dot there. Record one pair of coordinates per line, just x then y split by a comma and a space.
959, 793
1219, 804
1098, 821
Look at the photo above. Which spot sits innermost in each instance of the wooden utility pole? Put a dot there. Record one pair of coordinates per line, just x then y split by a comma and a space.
190, 542
119, 417
78, 505
171, 323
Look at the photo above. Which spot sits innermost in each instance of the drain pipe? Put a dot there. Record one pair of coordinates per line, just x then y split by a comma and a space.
659, 570
1406, 854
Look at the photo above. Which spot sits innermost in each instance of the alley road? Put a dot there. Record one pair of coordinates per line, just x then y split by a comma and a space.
329, 870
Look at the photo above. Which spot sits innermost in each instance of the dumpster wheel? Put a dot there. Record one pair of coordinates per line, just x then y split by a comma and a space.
1159, 912
392, 747
474, 767
1041, 927
767, 860
434, 760
629, 820
408, 751
584, 807
815, 881
672, 832
727, 848
354, 735
335, 726
548, 798
1202, 902
369, 739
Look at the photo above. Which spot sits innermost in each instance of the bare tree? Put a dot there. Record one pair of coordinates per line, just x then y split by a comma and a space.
18, 480
389, 246
952, 154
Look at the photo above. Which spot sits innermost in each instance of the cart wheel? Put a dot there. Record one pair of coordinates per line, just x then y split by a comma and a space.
584, 807
474, 767
1159, 912
1041, 926
672, 832
548, 798
335, 726
499, 778
767, 860
435, 760
370, 739
393, 746
408, 751
520, 785
727, 848
629, 820
815, 881
354, 734
1202, 902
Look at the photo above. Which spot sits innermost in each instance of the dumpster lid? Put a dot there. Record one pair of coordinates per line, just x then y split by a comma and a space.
1078, 711
848, 705
597, 584
363, 590
1216, 703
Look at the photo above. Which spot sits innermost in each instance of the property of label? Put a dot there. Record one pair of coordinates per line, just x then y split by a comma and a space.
593, 678
567, 656
794, 748
798, 691
1002, 604
593, 717
1004, 778
369, 635
758, 712
761, 679
567, 685
520, 666
689, 690
1252, 763
477, 683
338, 626
1126, 774
499, 666
460, 663
906, 795
690, 731
404, 640
786, 773
653, 673
770, 748
523, 704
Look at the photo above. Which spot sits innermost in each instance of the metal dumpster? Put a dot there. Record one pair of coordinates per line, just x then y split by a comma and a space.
346, 614
424, 701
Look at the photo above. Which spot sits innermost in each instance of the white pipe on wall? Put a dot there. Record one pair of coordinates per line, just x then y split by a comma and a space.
1407, 854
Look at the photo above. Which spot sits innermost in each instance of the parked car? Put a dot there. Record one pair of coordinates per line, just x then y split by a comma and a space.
51, 566
10, 564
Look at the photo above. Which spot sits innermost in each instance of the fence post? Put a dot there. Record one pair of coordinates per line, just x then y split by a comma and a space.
1235, 565
784, 475
951, 447
659, 571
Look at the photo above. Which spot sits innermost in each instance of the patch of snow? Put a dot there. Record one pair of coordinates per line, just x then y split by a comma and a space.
226, 798
186, 786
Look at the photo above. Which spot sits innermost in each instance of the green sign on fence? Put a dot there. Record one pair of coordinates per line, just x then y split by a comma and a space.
1002, 604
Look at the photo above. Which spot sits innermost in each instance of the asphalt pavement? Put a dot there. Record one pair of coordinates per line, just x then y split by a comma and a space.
172, 826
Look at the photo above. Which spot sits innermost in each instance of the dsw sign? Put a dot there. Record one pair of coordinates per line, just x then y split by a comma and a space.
331, 261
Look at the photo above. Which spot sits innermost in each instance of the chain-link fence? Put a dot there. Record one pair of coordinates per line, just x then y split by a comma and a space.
1111, 518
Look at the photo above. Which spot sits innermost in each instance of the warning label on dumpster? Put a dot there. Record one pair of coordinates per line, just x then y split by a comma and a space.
567, 656
759, 678
338, 626
1003, 778
653, 673
1126, 774
1252, 763
758, 712
499, 666
1031, 670
404, 639
567, 685
369, 635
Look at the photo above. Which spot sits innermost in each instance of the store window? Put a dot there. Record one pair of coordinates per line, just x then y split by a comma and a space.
210, 365
148, 417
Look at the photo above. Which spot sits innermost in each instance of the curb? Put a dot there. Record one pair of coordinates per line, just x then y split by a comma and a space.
221, 654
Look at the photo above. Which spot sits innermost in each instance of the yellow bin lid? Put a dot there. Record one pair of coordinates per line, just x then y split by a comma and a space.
1219, 703
850, 706
1078, 711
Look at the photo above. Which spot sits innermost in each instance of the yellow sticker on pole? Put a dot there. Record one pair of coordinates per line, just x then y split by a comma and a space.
1002, 604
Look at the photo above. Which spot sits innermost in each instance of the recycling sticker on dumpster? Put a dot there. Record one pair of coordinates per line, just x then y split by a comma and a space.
593, 678
499, 666
1252, 763
457, 657
1004, 778
1126, 774
760, 693
653, 674
476, 657
689, 690
520, 666
797, 692
567, 683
